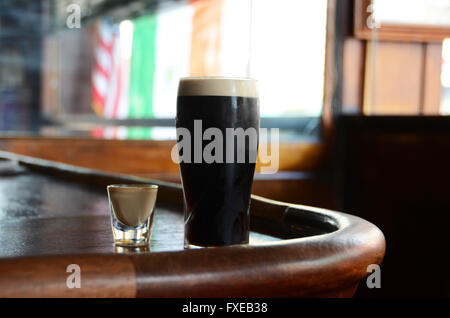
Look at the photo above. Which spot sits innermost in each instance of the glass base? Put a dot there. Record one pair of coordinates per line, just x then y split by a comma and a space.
195, 247
131, 249
132, 237
127, 243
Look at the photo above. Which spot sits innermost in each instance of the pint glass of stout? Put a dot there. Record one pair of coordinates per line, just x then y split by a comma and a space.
217, 138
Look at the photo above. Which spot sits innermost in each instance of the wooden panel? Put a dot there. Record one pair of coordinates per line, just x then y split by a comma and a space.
296, 156
143, 156
131, 156
396, 174
309, 190
393, 78
352, 75
432, 79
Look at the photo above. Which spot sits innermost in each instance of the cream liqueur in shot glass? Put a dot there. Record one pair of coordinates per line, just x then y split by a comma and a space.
131, 207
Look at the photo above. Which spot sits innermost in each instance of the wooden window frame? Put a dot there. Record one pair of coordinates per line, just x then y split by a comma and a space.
390, 32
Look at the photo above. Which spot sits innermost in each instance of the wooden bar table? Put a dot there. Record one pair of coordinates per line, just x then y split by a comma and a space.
53, 215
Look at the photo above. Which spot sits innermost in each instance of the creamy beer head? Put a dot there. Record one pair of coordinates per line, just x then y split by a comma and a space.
218, 86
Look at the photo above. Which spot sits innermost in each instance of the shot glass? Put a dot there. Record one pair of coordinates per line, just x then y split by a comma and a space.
131, 208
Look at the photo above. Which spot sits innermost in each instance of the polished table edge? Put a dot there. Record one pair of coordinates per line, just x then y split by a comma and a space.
321, 264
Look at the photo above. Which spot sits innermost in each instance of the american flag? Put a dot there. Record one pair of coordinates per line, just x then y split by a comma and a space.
106, 83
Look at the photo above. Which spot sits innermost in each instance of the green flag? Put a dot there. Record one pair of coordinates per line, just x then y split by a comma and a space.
142, 67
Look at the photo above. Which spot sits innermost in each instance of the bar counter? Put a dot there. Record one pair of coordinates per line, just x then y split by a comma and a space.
53, 215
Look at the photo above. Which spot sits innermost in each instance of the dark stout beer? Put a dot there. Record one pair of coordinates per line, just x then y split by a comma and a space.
217, 194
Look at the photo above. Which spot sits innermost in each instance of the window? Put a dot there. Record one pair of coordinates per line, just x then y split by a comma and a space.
445, 78
406, 39
122, 66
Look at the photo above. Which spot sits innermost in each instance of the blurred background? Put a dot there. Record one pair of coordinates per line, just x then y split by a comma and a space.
360, 90
122, 60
